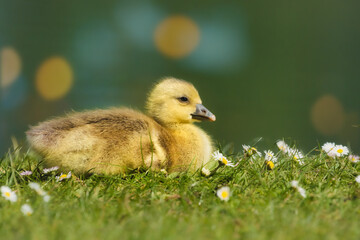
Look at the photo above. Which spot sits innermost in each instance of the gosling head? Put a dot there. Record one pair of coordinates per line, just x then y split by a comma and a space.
176, 101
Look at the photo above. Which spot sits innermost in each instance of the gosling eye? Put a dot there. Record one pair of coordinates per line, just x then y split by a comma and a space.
183, 99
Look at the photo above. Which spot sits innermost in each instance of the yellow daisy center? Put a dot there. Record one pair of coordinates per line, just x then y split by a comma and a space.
252, 150
340, 150
28, 213
63, 176
224, 194
7, 194
295, 157
224, 161
270, 164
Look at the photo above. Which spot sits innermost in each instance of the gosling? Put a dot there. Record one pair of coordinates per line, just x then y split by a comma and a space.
119, 140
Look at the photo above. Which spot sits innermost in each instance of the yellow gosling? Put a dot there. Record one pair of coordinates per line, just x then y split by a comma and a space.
117, 140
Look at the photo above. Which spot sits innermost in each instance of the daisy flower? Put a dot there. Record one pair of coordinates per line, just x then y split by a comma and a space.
63, 176
357, 179
328, 147
26, 173
217, 155
282, 146
334, 151
341, 150
46, 198
270, 156
205, 171
223, 193
26, 210
249, 151
295, 184
36, 187
302, 192
296, 155
270, 159
47, 170
8, 194
354, 158
221, 158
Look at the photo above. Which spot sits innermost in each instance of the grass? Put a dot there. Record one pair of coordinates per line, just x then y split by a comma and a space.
154, 205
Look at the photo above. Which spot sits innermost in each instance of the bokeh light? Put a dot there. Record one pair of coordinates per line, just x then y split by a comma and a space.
15, 94
177, 36
224, 46
138, 20
328, 115
54, 78
96, 46
10, 66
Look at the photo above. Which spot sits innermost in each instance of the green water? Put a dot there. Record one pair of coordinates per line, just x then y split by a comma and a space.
260, 66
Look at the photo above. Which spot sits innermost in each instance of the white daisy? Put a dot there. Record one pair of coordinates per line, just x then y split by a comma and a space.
270, 156
357, 179
8, 194
341, 150
295, 184
246, 148
302, 192
282, 146
26, 210
223, 193
296, 155
354, 158
46, 198
221, 158
47, 170
328, 147
36, 187
26, 173
334, 151
205, 171
249, 151
63, 176
217, 155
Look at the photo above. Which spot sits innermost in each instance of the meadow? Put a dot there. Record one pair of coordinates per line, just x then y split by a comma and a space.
264, 202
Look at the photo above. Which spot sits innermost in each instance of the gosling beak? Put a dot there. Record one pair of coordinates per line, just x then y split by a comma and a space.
202, 114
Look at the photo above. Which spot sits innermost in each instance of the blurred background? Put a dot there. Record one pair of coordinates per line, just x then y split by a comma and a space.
271, 69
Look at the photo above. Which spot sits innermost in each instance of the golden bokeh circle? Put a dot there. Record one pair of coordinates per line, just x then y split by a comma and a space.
54, 78
177, 36
328, 115
10, 66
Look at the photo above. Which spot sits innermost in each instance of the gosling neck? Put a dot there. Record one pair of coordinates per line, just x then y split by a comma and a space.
174, 126
170, 124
